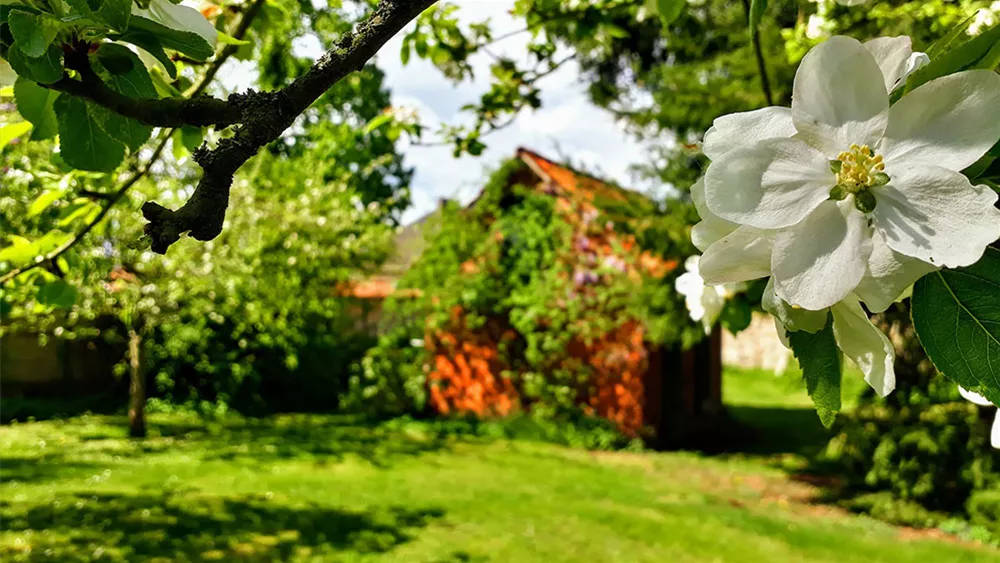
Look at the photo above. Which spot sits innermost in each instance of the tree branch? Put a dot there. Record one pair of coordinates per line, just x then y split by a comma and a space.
112, 198
264, 116
199, 111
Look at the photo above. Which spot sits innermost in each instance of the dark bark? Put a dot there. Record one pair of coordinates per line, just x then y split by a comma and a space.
136, 387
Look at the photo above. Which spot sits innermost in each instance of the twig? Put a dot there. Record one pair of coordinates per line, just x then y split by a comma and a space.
765, 83
111, 199
514, 113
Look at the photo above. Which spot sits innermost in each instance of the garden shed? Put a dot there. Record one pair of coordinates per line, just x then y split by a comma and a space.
587, 271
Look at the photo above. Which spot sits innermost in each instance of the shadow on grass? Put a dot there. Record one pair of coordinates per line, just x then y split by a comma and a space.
31, 470
170, 527
767, 431
322, 438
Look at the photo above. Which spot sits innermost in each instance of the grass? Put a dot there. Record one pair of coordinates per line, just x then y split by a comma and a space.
323, 488
779, 412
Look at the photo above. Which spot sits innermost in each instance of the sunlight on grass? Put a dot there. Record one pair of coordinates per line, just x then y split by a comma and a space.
322, 488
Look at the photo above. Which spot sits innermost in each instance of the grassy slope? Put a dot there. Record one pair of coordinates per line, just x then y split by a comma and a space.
325, 489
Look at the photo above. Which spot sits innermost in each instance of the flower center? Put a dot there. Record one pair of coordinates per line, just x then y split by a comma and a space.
858, 170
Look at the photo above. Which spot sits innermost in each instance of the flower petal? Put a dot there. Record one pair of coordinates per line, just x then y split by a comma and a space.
889, 275
744, 254
892, 55
709, 231
864, 343
946, 122
770, 185
839, 96
936, 215
747, 128
711, 228
791, 318
974, 397
821, 260
995, 432
712, 302
782, 334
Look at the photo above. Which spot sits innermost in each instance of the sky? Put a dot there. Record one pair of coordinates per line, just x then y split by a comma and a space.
567, 126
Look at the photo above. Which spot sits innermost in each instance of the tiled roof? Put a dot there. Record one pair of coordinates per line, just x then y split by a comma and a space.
550, 175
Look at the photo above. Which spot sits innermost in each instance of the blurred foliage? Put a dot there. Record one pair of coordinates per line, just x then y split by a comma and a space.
254, 318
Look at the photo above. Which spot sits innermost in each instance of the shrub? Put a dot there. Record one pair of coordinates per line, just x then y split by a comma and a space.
885, 506
935, 456
983, 508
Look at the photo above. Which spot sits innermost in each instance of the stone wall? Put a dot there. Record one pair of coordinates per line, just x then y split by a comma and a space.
756, 347
57, 368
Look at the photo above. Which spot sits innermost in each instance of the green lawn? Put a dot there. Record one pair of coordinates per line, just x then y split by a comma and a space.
320, 488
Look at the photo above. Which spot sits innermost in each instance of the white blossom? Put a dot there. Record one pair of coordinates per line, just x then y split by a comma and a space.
984, 19
984, 402
704, 302
854, 175
856, 336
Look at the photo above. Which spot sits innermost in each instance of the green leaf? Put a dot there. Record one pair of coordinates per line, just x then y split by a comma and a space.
57, 294
819, 359
83, 144
974, 53
85, 7
942, 44
151, 44
192, 137
130, 79
11, 131
669, 10
115, 13
404, 54
32, 33
757, 9
34, 103
736, 315
440, 55
227, 39
43, 201
956, 314
191, 44
377, 122
978, 168
44, 70
83, 209
19, 252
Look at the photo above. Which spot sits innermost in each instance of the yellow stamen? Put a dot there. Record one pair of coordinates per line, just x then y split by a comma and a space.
859, 168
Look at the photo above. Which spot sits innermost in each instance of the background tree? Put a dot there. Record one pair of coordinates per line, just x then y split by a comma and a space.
220, 323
